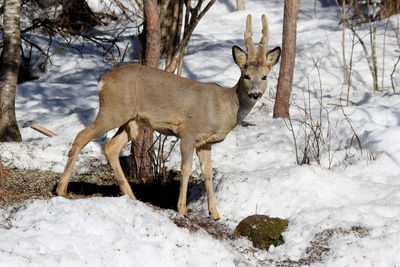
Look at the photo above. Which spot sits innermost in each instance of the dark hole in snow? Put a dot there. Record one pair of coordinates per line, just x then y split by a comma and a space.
163, 194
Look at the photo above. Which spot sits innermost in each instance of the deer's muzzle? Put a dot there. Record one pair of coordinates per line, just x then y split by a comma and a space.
255, 96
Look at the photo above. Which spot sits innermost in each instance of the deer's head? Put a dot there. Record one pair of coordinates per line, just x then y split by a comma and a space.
255, 65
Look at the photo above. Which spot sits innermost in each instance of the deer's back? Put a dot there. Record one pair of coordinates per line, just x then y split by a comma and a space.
169, 103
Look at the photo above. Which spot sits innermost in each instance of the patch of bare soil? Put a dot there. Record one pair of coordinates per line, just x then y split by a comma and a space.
21, 185
195, 223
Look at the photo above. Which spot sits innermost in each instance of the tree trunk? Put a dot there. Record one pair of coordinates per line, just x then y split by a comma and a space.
192, 17
346, 76
141, 159
152, 39
9, 65
171, 15
240, 5
284, 89
372, 36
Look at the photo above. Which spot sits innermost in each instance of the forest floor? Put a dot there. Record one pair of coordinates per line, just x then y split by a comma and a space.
23, 184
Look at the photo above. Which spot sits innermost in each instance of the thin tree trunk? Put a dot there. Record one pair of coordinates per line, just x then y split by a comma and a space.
372, 34
153, 34
284, 89
196, 13
142, 166
171, 14
383, 55
346, 77
9, 65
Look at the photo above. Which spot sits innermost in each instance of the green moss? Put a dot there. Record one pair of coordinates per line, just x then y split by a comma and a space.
262, 230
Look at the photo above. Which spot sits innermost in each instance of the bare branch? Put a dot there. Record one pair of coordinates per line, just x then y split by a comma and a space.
189, 28
43, 130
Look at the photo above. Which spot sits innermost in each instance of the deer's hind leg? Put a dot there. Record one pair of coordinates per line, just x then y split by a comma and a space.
101, 125
128, 131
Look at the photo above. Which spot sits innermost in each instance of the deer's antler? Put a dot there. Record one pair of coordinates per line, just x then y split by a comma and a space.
264, 39
248, 34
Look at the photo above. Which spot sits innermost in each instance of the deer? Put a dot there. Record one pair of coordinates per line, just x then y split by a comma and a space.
200, 114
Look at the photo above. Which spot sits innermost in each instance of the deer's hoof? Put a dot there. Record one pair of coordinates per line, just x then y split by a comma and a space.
214, 216
61, 191
183, 212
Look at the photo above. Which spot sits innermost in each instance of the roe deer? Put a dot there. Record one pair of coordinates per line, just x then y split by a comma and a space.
200, 114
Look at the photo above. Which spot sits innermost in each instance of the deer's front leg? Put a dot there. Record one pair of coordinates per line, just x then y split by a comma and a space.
187, 147
204, 154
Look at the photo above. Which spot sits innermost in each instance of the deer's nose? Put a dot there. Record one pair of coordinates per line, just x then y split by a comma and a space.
255, 96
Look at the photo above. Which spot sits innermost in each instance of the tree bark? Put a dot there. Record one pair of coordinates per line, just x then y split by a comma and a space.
346, 76
171, 15
372, 36
9, 65
141, 159
152, 45
284, 89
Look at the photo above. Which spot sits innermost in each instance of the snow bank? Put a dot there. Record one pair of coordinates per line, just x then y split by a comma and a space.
105, 232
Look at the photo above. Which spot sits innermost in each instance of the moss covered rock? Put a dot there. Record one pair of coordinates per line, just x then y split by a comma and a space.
262, 230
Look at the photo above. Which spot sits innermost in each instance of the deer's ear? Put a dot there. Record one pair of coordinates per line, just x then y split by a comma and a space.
273, 56
239, 56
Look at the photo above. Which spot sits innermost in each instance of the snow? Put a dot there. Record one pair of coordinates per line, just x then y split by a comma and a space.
356, 186
105, 232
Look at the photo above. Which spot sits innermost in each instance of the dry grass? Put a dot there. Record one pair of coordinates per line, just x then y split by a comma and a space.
2, 192
21, 185
195, 222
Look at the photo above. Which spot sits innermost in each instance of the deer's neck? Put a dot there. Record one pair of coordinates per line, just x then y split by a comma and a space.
245, 104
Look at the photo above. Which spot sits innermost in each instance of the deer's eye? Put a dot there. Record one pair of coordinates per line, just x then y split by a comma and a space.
247, 77
264, 78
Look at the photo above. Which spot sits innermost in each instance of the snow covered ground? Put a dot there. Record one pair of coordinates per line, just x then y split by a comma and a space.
349, 203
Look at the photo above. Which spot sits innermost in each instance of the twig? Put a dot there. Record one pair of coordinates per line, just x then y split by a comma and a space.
393, 72
43, 130
383, 54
